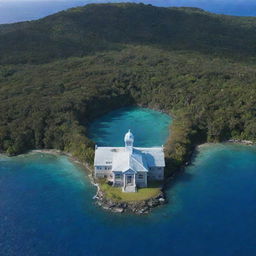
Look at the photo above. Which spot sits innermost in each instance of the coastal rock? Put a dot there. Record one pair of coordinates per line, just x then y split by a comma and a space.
117, 210
111, 204
245, 142
124, 205
141, 207
153, 202
105, 207
161, 200
144, 210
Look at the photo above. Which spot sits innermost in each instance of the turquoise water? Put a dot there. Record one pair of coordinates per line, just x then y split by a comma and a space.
150, 128
46, 208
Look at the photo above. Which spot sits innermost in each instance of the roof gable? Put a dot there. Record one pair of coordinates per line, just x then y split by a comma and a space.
123, 161
129, 171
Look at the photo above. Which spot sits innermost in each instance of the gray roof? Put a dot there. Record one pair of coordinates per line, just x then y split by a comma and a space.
123, 161
119, 159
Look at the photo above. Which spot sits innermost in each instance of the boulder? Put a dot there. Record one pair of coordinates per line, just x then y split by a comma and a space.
117, 210
153, 202
161, 200
124, 205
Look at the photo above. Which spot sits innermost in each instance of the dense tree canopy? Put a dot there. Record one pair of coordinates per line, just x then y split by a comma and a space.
60, 72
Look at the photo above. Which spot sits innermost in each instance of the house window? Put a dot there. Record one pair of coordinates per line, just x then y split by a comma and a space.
117, 176
140, 176
108, 162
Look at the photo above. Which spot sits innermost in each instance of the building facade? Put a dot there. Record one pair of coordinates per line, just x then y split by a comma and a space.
129, 167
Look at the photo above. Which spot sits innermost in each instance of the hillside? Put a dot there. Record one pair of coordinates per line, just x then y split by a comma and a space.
60, 72
85, 30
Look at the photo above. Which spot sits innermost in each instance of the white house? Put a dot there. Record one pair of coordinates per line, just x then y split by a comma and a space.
129, 167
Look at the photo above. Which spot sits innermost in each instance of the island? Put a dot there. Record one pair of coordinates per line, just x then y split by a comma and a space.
59, 73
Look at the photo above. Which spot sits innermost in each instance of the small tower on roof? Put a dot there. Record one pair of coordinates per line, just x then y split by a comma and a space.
128, 140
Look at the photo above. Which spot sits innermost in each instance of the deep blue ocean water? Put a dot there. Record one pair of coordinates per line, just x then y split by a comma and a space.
21, 10
46, 208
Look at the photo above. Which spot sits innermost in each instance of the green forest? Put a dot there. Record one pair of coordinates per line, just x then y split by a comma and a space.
59, 73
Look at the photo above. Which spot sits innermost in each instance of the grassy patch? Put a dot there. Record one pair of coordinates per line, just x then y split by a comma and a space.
116, 194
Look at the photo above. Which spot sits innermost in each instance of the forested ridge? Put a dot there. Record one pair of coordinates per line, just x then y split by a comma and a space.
60, 72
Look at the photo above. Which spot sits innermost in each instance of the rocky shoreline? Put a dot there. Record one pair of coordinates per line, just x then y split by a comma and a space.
140, 207
244, 142
232, 141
